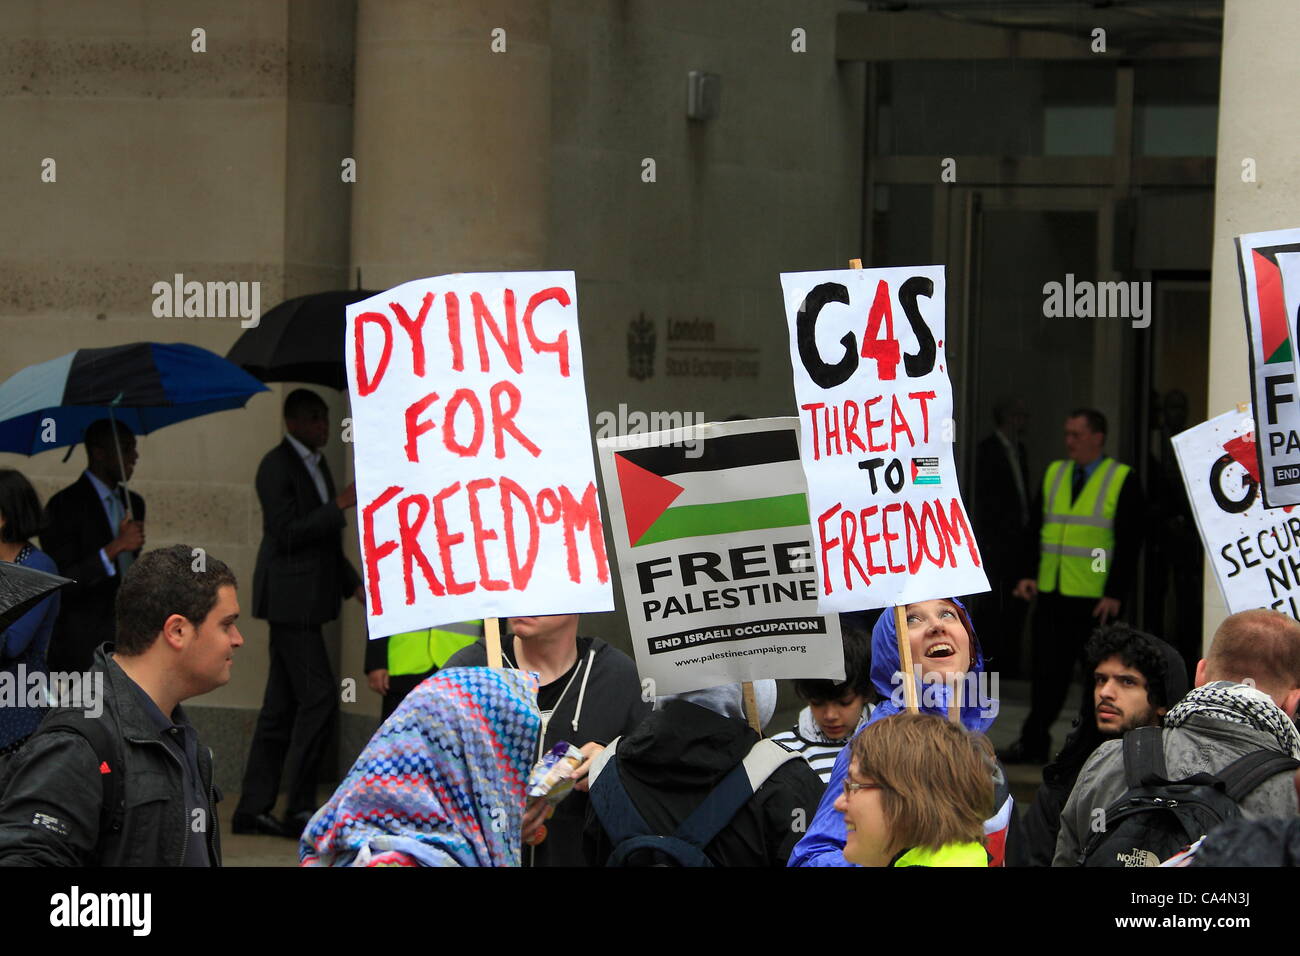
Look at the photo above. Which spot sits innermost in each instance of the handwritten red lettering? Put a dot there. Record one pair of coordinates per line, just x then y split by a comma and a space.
447, 540
481, 535
560, 346
414, 331
374, 553
579, 515
503, 419
519, 572
412, 553
812, 409
367, 383
415, 427
509, 343
825, 545
453, 332
463, 396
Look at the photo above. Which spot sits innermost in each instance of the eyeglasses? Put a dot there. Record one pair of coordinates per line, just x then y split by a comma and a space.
850, 787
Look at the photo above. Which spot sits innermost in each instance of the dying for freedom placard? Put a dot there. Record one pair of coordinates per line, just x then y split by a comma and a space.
1255, 551
476, 492
710, 525
1271, 360
875, 404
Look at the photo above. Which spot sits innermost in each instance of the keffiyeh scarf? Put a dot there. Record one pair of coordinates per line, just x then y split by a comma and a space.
442, 781
1238, 704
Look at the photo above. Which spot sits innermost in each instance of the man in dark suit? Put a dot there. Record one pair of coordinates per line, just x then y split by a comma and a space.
1001, 513
300, 581
93, 538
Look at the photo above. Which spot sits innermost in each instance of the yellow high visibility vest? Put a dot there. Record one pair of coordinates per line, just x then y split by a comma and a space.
1078, 539
416, 652
953, 854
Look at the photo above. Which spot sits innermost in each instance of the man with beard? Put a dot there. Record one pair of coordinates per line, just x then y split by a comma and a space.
1246, 692
1131, 679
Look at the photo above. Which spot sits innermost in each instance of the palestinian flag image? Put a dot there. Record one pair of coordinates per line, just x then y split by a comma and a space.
744, 482
1274, 344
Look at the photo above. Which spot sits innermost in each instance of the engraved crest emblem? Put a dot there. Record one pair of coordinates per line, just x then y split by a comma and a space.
641, 348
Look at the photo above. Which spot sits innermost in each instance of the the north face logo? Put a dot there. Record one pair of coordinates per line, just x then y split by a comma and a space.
1138, 858
104, 767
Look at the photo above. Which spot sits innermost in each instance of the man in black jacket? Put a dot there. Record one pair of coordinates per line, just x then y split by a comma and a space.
118, 777
299, 583
589, 695
680, 754
1000, 512
93, 539
1131, 679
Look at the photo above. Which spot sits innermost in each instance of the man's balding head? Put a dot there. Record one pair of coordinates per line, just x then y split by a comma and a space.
1258, 647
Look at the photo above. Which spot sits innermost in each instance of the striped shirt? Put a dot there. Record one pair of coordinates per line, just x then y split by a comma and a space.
815, 747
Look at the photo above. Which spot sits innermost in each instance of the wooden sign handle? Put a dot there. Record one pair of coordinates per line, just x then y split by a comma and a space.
905, 646
905, 658
492, 636
751, 706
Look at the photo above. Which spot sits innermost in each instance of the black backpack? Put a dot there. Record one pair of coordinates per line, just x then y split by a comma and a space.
102, 737
1156, 817
636, 844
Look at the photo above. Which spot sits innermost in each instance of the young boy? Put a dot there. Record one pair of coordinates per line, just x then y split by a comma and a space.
835, 711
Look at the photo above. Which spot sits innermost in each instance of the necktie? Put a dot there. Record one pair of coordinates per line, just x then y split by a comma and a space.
1077, 480
118, 512
329, 479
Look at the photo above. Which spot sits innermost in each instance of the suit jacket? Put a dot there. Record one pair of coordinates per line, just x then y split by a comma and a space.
77, 527
301, 576
996, 505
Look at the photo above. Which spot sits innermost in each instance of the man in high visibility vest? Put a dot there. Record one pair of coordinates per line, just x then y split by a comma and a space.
1085, 537
396, 665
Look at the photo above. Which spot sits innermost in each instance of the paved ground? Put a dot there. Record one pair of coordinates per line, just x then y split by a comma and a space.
1014, 705
253, 850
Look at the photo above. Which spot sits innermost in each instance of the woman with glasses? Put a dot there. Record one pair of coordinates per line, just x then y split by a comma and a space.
918, 791
950, 680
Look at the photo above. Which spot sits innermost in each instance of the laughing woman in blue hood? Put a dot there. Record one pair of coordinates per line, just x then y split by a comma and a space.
944, 646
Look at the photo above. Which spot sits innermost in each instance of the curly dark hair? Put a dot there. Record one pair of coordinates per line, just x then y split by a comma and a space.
1137, 649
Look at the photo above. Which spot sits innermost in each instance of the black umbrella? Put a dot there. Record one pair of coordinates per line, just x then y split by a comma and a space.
22, 588
300, 340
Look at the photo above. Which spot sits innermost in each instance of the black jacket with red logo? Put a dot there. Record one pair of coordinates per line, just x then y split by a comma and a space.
52, 792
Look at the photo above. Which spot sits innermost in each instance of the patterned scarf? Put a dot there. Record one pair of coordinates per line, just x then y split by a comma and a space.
441, 783
1238, 704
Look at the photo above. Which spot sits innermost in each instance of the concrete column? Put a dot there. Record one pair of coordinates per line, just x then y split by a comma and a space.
1255, 122
453, 137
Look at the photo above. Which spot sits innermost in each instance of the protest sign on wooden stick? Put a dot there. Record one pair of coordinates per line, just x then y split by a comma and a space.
889, 525
476, 489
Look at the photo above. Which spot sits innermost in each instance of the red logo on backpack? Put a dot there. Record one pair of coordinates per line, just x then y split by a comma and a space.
104, 767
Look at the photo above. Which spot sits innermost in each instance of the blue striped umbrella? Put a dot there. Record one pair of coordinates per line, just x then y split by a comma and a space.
145, 385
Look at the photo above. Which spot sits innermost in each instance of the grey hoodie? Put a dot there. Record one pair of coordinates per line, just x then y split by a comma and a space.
729, 700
